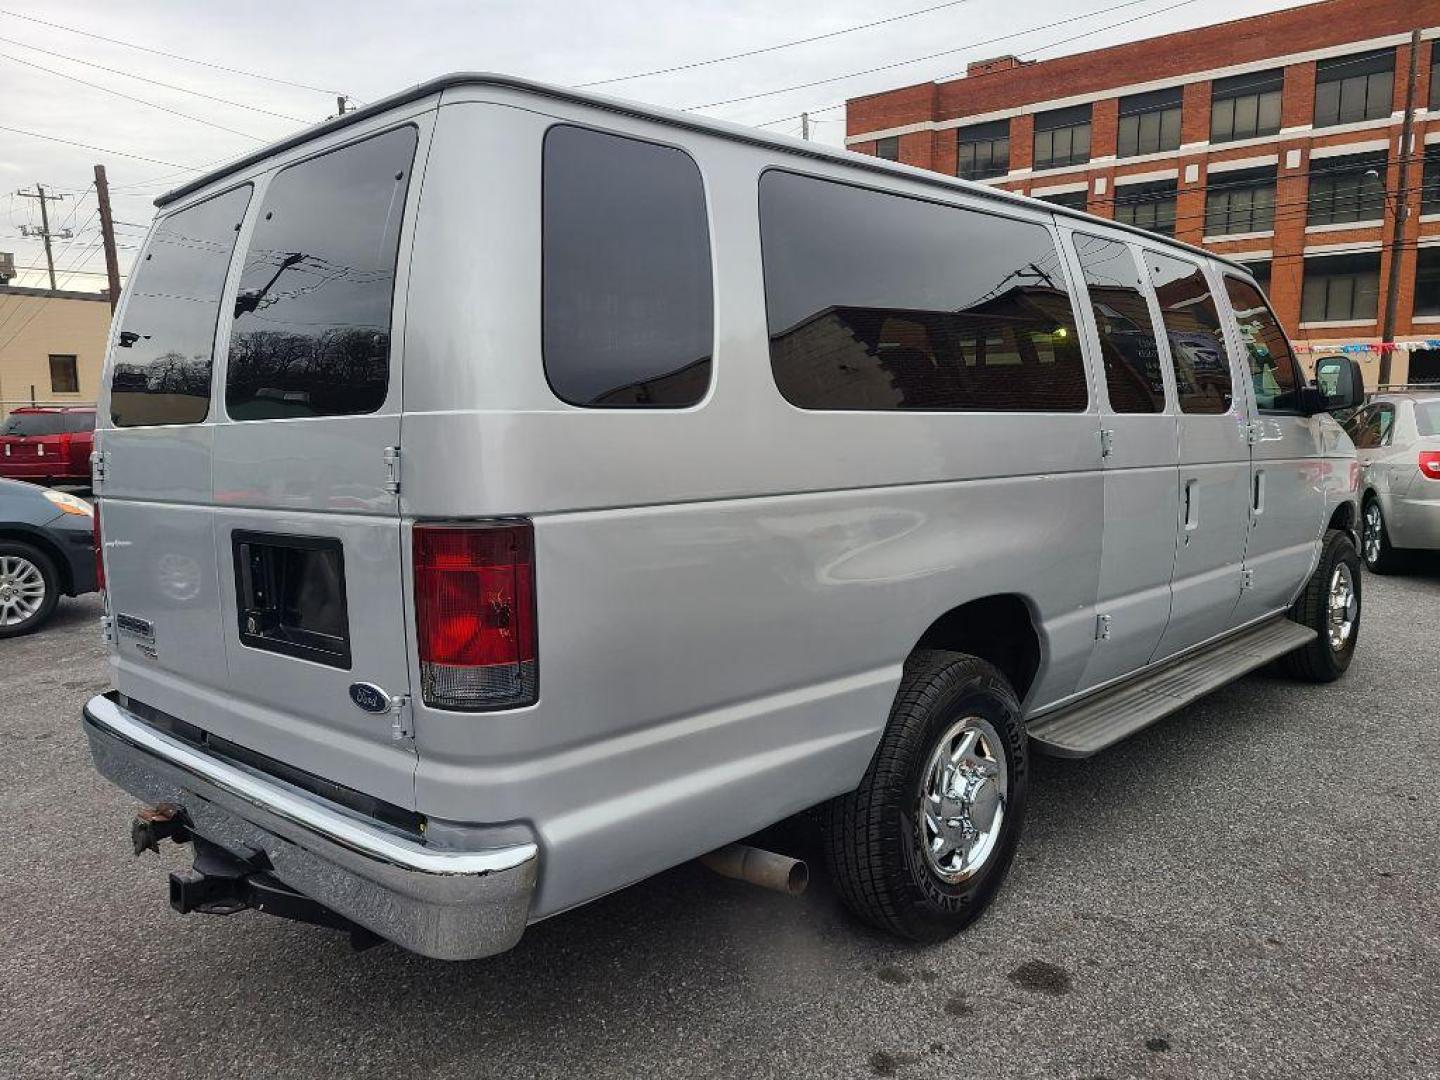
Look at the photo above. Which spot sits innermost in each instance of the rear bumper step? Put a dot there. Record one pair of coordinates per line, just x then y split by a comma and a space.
439, 902
1100, 720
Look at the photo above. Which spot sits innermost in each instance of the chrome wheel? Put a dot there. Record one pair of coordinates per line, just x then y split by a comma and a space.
962, 800
22, 590
1374, 532
1344, 608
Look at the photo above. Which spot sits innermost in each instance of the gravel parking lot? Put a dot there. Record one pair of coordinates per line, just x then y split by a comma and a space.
1251, 888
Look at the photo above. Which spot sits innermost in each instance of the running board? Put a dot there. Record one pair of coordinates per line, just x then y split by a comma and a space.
1103, 719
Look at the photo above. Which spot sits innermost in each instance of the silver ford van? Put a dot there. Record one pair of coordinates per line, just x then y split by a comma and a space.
507, 493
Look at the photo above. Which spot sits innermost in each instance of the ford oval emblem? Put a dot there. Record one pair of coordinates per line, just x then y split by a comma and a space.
369, 697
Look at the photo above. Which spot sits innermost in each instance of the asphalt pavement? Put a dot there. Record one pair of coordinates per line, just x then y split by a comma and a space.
1248, 889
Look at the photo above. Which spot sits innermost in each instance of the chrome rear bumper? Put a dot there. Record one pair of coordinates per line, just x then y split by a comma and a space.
439, 902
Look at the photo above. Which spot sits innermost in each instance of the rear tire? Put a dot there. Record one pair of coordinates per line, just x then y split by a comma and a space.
29, 588
921, 847
1330, 605
1380, 557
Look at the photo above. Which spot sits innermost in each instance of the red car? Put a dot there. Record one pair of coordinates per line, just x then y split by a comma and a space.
47, 445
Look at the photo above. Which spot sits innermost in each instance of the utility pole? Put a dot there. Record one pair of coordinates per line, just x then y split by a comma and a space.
805, 126
107, 233
1402, 212
44, 231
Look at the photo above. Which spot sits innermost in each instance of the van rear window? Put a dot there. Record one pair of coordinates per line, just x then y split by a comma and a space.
164, 351
312, 315
629, 311
879, 301
28, 425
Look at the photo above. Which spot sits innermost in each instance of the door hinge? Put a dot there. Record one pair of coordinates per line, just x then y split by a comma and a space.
1247, 579
1253, 432
392, 469
107, 629
402, 724
98, 459
1102, 628
1107, 442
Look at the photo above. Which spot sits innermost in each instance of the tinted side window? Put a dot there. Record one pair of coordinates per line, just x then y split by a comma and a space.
164, 352
1122, 318
628, 305
312, 317
1273, 369
879, 301
1197, 347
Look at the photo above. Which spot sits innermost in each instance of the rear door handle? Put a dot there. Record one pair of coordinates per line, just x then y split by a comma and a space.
1258, 494
1192, 504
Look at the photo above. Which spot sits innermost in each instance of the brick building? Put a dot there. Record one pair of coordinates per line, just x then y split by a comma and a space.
1274, 140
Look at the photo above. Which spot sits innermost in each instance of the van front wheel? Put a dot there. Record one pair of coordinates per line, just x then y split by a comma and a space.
921, 846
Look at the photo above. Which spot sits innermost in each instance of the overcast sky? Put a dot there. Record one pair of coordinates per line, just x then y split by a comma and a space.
368, 49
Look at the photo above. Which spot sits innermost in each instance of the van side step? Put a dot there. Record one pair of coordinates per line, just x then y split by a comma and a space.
1100, 720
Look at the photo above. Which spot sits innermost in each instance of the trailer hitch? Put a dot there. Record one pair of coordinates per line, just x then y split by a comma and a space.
221, 883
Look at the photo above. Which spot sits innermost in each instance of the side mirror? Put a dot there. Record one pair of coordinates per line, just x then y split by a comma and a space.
1339, 385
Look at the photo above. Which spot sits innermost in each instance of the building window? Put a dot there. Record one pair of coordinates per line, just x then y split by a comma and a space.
1349, 89
64, 377
1260, 271
877, 301
1242, 201
1430, 182
1246, 106
1427, 281
626, 292
1073, 200
1434, 77
1147, 206
888, 148
1346, 189
1149, 123
1062, 137
1341, 288
983, 150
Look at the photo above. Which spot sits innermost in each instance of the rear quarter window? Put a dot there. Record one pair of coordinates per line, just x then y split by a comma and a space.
164, 352
628, 301
878, 301
312, 315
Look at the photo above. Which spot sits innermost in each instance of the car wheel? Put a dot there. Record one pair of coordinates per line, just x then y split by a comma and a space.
921, 847
29, 588
1330, 605
1380, 557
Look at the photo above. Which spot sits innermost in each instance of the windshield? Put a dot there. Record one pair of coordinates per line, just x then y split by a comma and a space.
34, 424
1427, 416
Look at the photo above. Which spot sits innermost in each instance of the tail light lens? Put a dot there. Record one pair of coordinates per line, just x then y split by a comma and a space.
99, 548
1430, 464
475, 615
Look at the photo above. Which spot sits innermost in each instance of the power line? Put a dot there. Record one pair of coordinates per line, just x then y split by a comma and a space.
169, 55
771, 48
100, 149
130, 97
959, 48
154, 82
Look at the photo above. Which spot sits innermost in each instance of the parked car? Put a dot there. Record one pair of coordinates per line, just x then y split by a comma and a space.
1397, 437
47, 445
454, 585
47, 550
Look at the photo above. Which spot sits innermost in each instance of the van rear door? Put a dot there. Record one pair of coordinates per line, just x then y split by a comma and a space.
306, 629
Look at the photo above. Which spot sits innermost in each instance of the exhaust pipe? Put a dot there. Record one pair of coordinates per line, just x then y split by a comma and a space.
764, 868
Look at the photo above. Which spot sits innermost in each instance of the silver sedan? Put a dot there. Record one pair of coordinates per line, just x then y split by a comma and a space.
1397, 437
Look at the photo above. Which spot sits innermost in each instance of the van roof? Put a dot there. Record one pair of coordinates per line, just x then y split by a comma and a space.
722, 128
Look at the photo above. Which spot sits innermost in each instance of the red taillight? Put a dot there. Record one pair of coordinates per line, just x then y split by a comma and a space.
475, 615
1430, 464
99, 548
